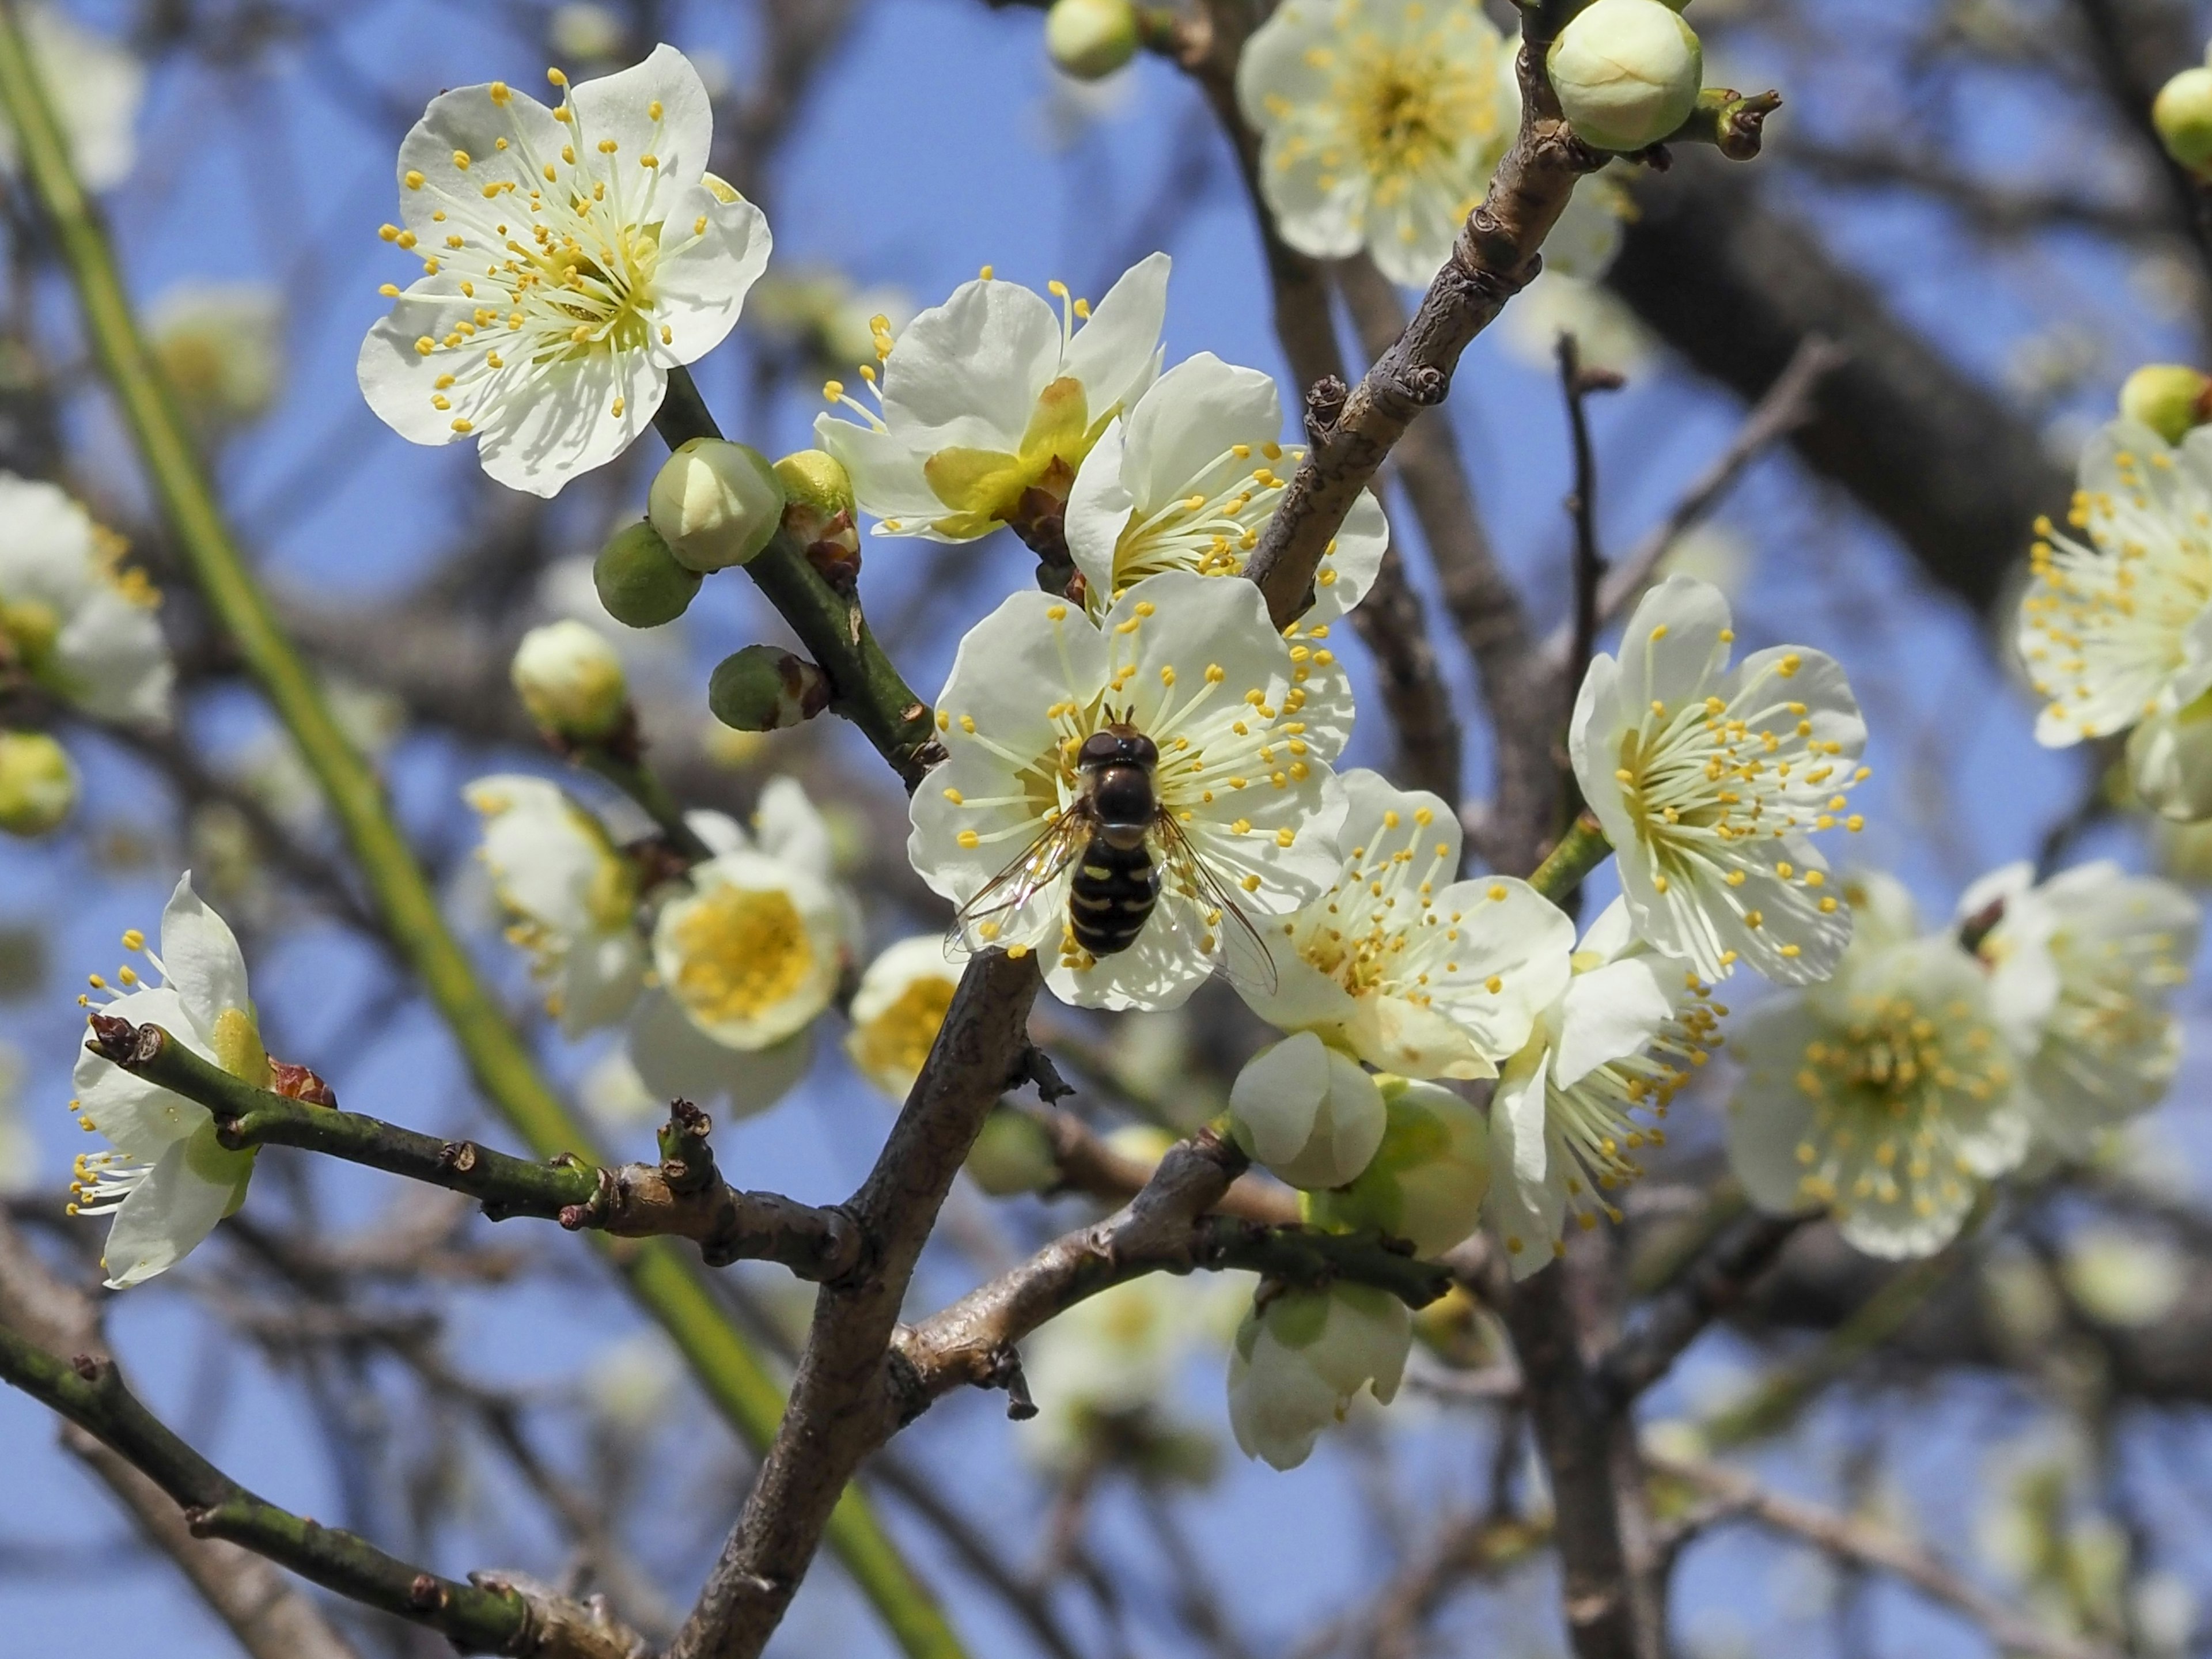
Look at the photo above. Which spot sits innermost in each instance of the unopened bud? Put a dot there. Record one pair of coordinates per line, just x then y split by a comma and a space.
37, 785
1307, 1112
1091, 38
640, 581
716, 504
571, 681
1427, 1180
2182, 113
2170, 762
818, 479
1627, 73
2170, 398
1012, 1155
763, 689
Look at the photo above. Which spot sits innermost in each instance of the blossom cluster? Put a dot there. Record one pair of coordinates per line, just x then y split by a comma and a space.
1135, 776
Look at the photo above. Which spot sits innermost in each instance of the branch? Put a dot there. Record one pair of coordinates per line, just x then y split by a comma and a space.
492, 1613
838, 1411
1088, 1164
1164, 1228
1864, 1543
1716, 1282
1577, 384
1352, 433
271, 1618
1786, 406
682, 1196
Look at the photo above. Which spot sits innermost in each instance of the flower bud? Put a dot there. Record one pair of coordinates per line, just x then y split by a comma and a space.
1307, 1112
571, 681
1012, 1155
815, 478
2182, 113
37, 785
1091, 38
2169, 399
1627, 73
715, 504
1427, 1180
2170, 762
1300, 1358
639, 582
764, 688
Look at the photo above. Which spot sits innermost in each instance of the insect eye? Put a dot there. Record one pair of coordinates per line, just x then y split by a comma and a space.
1140, 749
1098, 749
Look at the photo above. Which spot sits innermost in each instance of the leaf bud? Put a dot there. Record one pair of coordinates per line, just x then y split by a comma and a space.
2169, 399
2182, 113
716, 504
571, 681
1427, 1180
764, 688
639, 582
1091, 38
1627, 73
37, 785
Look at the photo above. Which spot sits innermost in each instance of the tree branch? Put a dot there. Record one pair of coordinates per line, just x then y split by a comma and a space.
1717, 1281
682, 1196
492, 1613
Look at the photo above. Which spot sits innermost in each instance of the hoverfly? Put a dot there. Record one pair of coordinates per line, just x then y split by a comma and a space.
1108, 833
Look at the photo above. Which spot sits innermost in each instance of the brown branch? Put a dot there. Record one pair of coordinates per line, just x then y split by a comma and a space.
1863, 1543
271, 1617
1577, 383
1088, 1164
1787, 405
839, 1412
1716, 1282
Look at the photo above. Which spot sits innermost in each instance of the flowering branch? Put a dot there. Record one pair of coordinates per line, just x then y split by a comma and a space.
866, 687
682, 1196
672, 1290
492, 1613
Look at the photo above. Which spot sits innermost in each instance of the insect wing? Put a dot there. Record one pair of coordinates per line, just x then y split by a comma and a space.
996, 908
1245, 957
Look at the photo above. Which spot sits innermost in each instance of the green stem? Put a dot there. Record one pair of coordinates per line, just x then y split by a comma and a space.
866, 687
92, 1394
672, 1289
642, 785
1580, 851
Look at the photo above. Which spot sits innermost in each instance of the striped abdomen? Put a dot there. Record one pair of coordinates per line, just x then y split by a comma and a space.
1111, 895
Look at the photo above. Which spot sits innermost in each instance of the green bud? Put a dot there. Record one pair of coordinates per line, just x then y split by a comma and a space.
37, 785
2182, 113
2169, 399
571, 681
638, 580
765, 689
1627, 73
1427, 1181
1013, 1155
815, 478
716, 504
1091, 38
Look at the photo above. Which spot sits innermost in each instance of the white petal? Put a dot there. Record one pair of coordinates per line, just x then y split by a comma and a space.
970, 371
676, 1059
200, 959
1115, 354
565, 423
620, 106
699, 288
1610, 1012
169, 1212
886, 473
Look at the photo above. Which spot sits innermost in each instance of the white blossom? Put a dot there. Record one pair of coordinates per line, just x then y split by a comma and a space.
1707, 778
2116, 629
1307, 1112
1187, 480
2081, 970
897, 1012
72, 614
1192, 664
167, 1180
570, 897
748, 954
1626, 1032
572, 257
1886, 1095
1402, 965
990, 396
1299, 1360
220, 346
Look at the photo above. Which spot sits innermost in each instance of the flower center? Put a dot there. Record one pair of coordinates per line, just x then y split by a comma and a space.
743, 952
1211, 528
31, 627
898, 1042
1409, 109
